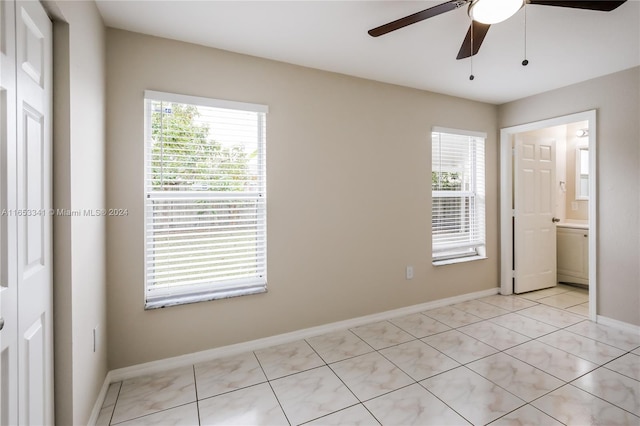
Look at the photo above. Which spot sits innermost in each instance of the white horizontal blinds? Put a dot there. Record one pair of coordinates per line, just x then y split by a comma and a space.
457, 183
205, 199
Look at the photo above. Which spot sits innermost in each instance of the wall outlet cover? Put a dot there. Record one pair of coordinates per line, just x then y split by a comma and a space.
409, 273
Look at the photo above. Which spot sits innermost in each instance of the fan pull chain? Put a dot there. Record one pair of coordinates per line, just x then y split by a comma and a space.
525, 62
471, 77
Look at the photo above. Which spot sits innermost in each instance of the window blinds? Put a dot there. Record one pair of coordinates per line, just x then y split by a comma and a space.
457, 184
205, 207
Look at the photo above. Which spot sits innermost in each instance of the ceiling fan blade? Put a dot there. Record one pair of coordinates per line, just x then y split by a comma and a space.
601, 5
417, 17
479, 31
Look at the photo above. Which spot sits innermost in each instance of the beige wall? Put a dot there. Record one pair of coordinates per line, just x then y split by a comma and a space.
616, 98
79, 183
348, 197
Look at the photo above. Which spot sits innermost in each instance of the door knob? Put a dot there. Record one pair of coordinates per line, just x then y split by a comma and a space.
555, 220
1, 323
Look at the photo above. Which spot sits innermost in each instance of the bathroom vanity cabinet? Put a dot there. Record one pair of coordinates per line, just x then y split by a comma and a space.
573, 255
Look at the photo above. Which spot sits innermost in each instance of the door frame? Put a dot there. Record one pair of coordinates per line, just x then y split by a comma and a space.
506, 198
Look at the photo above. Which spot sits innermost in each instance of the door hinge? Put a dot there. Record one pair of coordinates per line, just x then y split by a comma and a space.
513, 274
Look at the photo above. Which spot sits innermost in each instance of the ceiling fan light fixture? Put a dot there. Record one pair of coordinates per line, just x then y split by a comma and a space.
493, 11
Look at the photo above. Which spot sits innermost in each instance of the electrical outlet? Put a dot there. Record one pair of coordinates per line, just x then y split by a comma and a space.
574, 205
409, 272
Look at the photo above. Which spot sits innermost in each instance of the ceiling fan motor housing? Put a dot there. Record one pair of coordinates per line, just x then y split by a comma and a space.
494, 11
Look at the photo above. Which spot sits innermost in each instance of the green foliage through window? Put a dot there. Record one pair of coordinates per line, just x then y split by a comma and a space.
446, 181
205, 199
186, 158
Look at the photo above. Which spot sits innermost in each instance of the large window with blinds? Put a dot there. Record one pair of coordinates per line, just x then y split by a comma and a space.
205, 199
458, 195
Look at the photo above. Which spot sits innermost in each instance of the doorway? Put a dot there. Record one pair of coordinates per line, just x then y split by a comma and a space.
585, 187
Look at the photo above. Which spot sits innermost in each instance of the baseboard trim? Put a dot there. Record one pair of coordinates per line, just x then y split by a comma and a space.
235, 349
621, 325
97, 407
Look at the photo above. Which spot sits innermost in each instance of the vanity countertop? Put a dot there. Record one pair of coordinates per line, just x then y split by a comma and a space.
575, 224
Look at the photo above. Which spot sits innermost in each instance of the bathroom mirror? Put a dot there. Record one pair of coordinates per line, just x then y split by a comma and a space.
582, 173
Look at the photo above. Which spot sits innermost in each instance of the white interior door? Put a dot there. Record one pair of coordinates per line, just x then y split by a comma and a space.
534, 208
35, 308
8, 221
27, 335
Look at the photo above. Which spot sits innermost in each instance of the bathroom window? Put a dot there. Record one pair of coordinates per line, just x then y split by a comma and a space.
582, 173
205, 199
458, 195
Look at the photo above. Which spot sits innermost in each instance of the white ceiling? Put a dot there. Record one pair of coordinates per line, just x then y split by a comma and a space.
564, 46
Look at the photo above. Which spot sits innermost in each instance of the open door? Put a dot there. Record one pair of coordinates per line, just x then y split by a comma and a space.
534, 209
508, 201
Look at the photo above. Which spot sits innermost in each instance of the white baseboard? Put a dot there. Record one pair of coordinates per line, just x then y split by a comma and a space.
224, 351
95, 413
621, 325
230, 350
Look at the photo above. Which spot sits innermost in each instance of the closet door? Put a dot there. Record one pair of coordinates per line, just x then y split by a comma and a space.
35, 308
8, 220
26, 340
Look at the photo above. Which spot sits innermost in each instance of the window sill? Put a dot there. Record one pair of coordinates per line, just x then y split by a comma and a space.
185, 299
457, 260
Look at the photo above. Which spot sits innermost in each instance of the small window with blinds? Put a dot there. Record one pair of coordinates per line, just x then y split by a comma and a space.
205, 199
458, 198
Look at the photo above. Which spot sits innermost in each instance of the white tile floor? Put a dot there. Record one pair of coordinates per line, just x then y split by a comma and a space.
506, 360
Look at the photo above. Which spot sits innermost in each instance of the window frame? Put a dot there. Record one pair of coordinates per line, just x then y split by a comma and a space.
476, 251
579, 166
191, 293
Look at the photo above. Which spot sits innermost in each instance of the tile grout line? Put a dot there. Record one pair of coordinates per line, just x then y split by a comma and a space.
444, 402
503, 351
340, 378
195, 386
414, 381
525, 403
151, 414
465, 365
271, 387
600, 398
115, 402
491, 320
565, 383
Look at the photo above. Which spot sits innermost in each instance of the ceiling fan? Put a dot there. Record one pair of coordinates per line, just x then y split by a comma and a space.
486, 12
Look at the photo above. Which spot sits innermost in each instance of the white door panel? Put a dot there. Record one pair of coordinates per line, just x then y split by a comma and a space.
35, 373
26, 342
33, 190
534, 205
8, 222
33, 358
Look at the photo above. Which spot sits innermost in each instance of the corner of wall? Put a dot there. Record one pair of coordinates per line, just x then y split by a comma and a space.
63, 356
79, 184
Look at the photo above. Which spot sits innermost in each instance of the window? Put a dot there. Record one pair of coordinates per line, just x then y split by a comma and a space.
582, 173
205, 199
457, 187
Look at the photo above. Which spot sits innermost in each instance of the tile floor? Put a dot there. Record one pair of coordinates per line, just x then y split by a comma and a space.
506, 360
